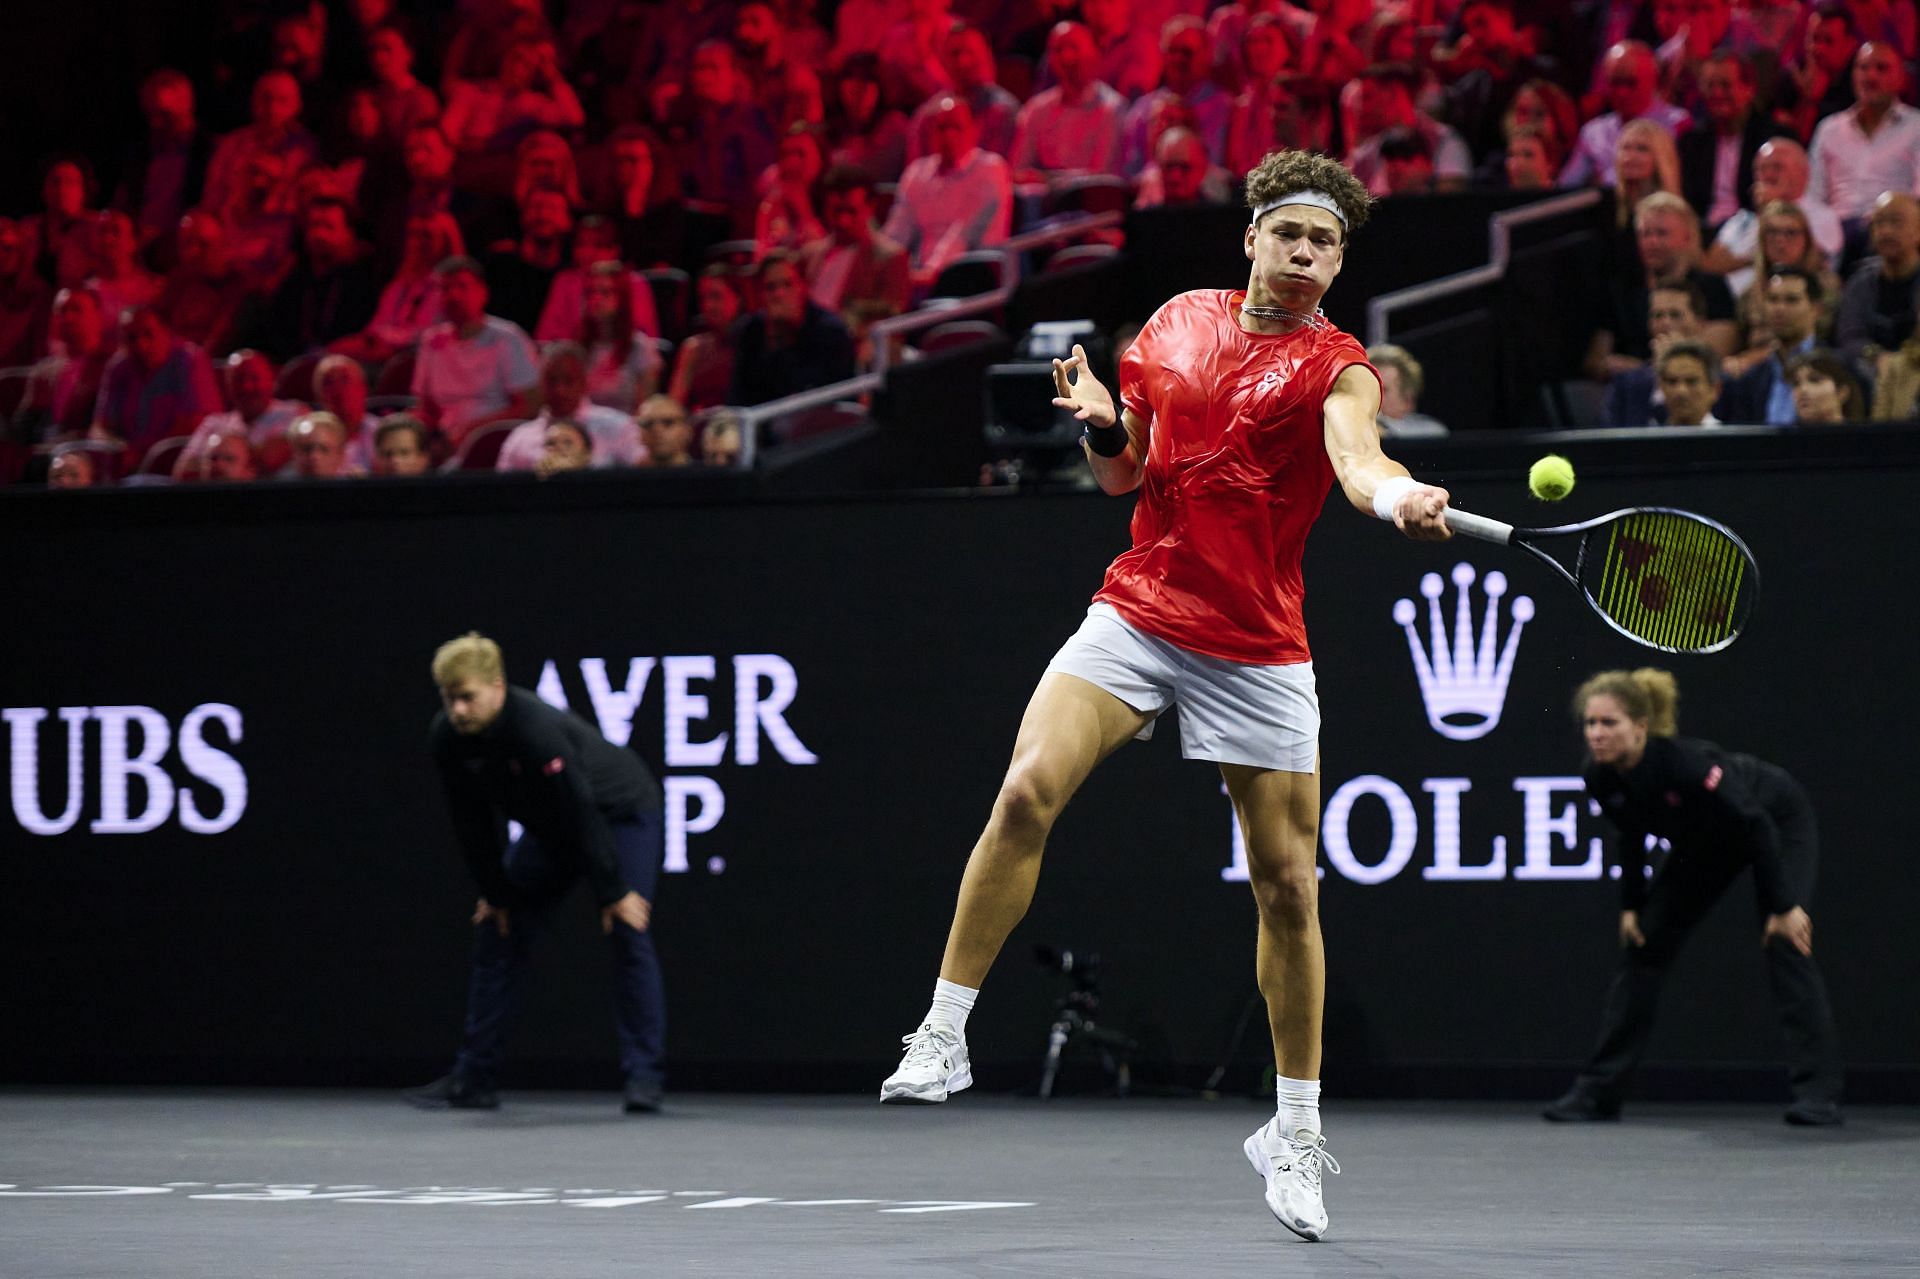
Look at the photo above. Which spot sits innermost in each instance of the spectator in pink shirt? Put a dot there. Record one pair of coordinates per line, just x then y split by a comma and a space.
1183, 76
276, 131
969, 60
410, 303
594, 242
1074, 127
623, 364
529, 93
789, 217
472, 367
956, 199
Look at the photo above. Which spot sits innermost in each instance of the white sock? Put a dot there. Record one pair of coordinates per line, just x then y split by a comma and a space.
951, 1004
1299, 1106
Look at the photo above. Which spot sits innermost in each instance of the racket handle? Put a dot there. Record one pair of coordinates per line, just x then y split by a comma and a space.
1468, 524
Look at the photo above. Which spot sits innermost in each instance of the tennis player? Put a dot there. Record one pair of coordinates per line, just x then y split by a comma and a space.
1238, 411
1720, 812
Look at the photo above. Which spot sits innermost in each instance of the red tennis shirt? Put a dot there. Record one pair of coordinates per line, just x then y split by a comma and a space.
1236, 473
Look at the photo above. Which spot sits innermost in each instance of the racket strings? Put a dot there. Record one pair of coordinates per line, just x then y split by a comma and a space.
1672, 581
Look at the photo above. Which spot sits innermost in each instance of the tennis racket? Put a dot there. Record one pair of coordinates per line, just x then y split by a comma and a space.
1671, 580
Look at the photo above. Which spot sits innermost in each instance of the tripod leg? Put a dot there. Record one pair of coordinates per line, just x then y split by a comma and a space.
1056, 1044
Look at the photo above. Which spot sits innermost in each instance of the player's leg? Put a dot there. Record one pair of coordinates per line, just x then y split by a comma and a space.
1279, 816
640, 1002
1070, 725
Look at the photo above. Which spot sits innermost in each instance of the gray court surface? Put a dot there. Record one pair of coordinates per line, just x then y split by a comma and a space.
355, 1184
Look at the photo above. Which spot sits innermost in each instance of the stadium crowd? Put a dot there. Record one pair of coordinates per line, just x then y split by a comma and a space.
378, 237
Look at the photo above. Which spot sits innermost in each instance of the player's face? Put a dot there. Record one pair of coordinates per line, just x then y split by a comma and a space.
472, 704
1297, 250
1613, 738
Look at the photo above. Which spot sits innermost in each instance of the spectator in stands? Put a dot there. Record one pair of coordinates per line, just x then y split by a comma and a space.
1544, 105
1779, 174
204, 293
1529, 162
789, 345
969, 62
613, 435
544, 161
259, 218
720, 440
1631, 78
1762, 394
276, 131
1324, 37
520, 274
1877, 307
788, 215
1689, 374
1125, 53
1786, 240
1822, 84
1687, 32
862, 127
165, 172
1384, 101
911, 68
319, 444
1896, 384
226, 459
330, 292
1716, 155
400, 446
674, 34
60, 237
1181, 174
954, 200
472, 367
26, 301
726, 141
156, 387
1667, 234
1252, 129
1675, 313
623, 364
1645, 161
298, 46
257, 413
667, 431
1074, 127
1485, 68
340, 388
1873, 146
852, 262
491, 116
778, 61
648, 216
860, 25
410, 303
402, 100
63, 388
1183, 77
71, 467
118, 277
1401, 381
1825, 391
703, 371
429, 160
1406, 157
563, 447
594, 242
1304, 115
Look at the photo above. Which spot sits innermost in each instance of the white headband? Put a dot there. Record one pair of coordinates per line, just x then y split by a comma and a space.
1318, 199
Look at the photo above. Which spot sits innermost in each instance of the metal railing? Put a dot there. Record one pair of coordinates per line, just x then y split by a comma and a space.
773, 410
1499, 253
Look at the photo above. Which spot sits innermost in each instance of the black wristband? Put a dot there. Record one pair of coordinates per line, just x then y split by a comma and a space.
1107, 441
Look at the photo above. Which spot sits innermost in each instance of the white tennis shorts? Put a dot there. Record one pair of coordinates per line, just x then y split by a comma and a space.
1230, 712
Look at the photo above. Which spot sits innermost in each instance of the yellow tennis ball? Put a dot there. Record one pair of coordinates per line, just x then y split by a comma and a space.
1551, 478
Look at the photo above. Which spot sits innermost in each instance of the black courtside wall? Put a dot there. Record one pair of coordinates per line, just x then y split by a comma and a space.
296, 910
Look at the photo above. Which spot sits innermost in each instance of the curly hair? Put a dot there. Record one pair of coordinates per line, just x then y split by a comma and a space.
1283, 172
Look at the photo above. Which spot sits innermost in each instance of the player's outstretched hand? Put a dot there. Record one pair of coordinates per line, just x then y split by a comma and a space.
1794, 925
483, 910
632, 910
1091, 402
1421, 513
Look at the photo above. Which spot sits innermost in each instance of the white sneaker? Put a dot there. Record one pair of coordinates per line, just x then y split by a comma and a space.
935, 1067
1291, 1168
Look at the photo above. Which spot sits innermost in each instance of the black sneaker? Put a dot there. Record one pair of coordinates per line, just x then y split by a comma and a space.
1581, 1106
1814, 1114
641, 1097
452, 1092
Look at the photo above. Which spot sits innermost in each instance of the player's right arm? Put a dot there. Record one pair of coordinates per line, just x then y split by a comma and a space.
1078, 389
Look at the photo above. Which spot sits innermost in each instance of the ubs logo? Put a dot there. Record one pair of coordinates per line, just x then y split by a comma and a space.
129, 773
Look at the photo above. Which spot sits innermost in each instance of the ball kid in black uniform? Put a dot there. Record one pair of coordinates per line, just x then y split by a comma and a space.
589, 809
1720, 812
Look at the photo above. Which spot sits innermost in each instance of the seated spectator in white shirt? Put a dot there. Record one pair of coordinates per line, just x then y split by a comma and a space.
1181, 174
1872, 147
400, 446
1779, 173
956, 199
319, 443
1074, 127
1401, 381
1383, 100
563, 380
256, 411
1184, 62
969, 60
1631, 77
472, 367
667, 431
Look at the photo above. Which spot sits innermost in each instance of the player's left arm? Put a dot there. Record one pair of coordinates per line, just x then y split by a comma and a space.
1352, 411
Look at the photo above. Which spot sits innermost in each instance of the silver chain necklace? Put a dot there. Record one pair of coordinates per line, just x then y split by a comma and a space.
1315, 318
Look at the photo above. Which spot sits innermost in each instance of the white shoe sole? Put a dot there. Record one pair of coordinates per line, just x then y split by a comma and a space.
892, 1094
1261, 1167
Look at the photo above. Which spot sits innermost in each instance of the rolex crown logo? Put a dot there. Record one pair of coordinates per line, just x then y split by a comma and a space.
1464, 683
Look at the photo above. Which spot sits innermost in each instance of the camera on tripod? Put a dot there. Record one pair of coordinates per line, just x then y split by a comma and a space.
1076, 1021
